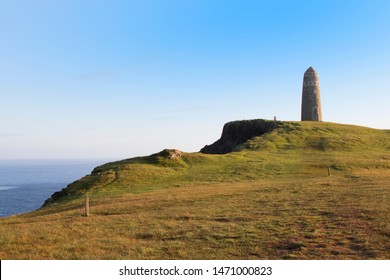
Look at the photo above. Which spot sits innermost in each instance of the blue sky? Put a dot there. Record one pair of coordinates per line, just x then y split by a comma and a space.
116, 79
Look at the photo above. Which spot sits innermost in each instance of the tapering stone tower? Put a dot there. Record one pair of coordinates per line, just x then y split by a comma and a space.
311, 99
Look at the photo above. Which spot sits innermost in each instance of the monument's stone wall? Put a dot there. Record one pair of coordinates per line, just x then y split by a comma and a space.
311, 98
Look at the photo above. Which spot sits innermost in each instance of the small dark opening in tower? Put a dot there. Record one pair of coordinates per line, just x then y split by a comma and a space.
315, 114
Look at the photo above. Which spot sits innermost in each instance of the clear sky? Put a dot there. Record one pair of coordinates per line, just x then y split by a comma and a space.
116, 79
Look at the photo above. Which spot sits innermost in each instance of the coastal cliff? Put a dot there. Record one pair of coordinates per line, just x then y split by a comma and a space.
238, 132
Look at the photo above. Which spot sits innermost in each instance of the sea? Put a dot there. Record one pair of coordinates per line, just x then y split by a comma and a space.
26, 184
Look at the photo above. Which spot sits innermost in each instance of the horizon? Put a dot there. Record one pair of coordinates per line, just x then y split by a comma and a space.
72, 160
94, 80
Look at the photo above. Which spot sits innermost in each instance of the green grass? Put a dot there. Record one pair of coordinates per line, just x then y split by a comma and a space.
272, 199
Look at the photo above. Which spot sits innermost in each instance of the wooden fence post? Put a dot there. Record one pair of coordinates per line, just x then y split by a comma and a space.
328, 171
86, 205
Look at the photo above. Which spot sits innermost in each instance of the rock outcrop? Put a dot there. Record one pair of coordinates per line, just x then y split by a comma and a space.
238, 132
173, 154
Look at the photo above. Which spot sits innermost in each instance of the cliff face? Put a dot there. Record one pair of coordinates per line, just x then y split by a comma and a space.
238, 132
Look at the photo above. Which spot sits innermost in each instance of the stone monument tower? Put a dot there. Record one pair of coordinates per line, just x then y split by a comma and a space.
311, 99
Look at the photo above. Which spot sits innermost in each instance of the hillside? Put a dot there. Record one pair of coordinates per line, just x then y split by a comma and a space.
261, 191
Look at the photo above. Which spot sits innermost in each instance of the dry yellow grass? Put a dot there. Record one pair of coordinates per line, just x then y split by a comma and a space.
331, 217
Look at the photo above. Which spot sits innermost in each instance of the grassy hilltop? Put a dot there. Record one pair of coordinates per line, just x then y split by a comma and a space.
271, 198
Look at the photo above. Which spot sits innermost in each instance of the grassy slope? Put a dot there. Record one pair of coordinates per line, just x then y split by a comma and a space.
272, 200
